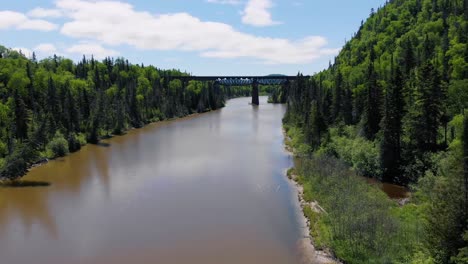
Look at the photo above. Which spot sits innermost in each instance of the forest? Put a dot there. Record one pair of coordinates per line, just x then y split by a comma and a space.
51, 107
392, 106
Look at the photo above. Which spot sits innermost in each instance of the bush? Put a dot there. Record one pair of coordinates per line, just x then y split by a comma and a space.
15, 165
73, 143
58, 147
82, 139
296, 141
355, 151
360, 224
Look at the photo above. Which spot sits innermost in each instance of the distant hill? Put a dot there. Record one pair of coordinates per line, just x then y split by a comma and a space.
275, 75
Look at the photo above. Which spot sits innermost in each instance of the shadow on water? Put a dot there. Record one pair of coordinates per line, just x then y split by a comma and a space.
103, 144
23, 184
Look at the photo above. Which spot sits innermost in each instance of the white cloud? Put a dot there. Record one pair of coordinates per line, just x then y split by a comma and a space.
88, 49
25, 51
225, 2
40, 12
11, 19
257, 13
117, 23
46, 48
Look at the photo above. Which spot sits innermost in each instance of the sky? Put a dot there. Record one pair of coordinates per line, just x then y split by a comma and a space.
201, 37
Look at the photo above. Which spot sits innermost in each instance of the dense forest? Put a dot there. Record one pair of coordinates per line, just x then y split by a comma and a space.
392, 106
54, 106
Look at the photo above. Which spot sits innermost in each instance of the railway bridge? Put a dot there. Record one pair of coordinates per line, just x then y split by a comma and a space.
253, 81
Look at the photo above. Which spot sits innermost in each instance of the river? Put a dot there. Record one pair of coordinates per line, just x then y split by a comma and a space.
203, 189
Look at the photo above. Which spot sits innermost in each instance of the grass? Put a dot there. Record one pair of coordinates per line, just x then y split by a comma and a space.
362, 225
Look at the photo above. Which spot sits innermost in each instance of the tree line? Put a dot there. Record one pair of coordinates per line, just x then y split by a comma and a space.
398, 93
54, 106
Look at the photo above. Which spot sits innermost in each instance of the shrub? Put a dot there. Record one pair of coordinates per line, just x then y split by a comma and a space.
73, 143
359, 224
82, 139
355, 151
58, 147
15, 165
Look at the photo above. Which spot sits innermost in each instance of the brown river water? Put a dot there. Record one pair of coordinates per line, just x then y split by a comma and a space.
205, 189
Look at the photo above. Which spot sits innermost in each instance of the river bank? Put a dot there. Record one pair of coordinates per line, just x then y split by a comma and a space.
309, 253
357, 220
6, 181
171, 192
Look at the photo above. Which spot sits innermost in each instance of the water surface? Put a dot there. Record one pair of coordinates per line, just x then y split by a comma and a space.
206, 189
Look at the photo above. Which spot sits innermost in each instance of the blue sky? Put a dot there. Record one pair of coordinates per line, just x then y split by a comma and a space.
203, 37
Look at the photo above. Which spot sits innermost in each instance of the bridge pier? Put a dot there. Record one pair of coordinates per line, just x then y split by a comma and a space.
255, 96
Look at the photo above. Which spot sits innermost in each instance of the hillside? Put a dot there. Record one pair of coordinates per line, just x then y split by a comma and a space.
391, 107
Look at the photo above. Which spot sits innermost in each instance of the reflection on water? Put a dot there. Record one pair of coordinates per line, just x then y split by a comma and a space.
208, 189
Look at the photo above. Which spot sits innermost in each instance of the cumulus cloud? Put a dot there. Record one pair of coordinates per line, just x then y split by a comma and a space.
40, 12
225, 2
94, 49
117, 23
15, 20
46, 48
257, 13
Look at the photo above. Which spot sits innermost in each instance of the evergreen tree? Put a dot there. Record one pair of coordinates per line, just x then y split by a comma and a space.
21, 117
316, 126
337, 96
348, 107
427, 110
372, 115
390, 155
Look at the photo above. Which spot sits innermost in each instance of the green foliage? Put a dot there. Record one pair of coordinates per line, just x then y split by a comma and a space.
356, 151
278, 94
58, 146
16, 164
462, 256
392, 105
290, 173
297, 141
87, 101
458, 96
359, 223
74, 143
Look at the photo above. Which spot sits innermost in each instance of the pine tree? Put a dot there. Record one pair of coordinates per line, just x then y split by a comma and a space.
53, 110
372, 115
390, 155
348, 106
21, 117
316, 126
409, 59
337, 96
427, 109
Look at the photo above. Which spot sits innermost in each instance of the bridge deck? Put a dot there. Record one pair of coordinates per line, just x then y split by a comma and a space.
254, 81
215, 78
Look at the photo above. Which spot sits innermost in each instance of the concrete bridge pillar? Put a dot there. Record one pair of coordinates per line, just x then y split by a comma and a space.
255, 98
